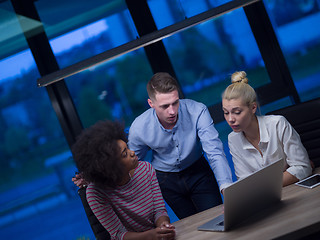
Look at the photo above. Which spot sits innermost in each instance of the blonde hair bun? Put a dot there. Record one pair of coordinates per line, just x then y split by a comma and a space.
239, 77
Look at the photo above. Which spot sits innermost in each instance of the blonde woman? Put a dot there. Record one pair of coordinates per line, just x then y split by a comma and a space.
257, 141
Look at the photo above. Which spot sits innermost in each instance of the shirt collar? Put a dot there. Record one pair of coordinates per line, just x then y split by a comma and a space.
245, 142
264, 135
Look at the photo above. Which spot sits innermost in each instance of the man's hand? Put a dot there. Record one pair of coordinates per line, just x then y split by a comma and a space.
79, 181
222, 191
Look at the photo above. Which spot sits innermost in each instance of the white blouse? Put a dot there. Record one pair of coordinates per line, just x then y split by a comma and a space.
278, 140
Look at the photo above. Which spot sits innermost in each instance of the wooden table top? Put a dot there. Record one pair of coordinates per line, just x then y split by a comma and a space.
297, 215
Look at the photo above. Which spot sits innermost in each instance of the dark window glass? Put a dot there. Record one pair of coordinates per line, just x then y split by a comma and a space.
115, 90
205, 56
79, 30
168, 12
300, 41
37, 198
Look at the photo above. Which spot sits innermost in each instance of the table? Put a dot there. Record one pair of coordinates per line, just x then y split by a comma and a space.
296, 216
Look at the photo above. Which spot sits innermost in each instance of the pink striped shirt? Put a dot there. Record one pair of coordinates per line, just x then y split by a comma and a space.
133, 207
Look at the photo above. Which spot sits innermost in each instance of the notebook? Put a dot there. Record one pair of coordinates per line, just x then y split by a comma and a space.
248, 196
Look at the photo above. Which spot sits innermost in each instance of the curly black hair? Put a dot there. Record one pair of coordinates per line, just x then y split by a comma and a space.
97, 154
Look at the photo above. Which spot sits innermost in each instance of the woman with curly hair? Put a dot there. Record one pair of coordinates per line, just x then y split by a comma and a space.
257, 141
123, 192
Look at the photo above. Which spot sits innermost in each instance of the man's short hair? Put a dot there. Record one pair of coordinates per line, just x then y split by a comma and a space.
161, 82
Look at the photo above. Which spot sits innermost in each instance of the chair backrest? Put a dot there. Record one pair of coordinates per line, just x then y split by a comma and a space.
305, 118
99, 231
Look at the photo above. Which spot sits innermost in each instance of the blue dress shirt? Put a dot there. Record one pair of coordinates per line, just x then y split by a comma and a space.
175, 149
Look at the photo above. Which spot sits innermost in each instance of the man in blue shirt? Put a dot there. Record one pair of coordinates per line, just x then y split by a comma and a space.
178, 132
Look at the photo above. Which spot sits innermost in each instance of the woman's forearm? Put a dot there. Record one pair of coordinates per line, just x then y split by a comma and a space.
153, 234
288, 179
162, 220
147, 235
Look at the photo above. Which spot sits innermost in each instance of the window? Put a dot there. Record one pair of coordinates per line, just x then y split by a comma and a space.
115, 90
79, 30
168, 12
300, 41
205, 56
34, 156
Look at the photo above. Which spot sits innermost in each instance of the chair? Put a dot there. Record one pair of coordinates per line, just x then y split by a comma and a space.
99, 231
305, 118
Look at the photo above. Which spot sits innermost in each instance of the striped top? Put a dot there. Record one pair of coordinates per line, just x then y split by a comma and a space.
133, 207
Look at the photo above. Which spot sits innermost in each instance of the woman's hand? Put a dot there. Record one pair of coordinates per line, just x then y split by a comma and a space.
159, 233
166, 232
166, 224
312, 165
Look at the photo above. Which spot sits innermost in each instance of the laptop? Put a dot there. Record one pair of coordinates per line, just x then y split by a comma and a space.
248, 196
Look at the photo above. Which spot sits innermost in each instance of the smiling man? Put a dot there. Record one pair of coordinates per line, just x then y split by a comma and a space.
179, 132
